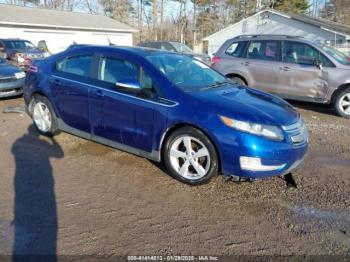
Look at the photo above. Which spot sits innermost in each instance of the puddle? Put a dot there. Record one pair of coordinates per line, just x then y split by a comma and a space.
332, 161
91, 148
331, 217
14, 109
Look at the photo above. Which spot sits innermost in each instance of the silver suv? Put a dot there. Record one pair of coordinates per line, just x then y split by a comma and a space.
288, 66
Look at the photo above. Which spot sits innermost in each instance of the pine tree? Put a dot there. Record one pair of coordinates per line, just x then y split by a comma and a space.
294, 6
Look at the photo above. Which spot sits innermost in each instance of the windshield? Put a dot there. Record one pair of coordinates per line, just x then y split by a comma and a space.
19, 44
187, 73
181, 48
336, 54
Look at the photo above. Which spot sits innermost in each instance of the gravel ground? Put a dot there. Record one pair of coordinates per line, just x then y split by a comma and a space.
70, 196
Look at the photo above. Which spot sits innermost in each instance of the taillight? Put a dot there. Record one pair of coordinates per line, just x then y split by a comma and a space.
33, 69
215, 60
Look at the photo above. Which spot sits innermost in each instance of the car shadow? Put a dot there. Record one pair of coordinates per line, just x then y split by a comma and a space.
35, 212
316, 107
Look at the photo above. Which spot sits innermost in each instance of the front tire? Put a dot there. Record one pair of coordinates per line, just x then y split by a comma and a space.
43, 116
342, 103
237, 80
190, 157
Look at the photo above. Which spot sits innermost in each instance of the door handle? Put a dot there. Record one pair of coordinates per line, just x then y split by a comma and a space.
55, 82
99, 93
285, 68
245, 63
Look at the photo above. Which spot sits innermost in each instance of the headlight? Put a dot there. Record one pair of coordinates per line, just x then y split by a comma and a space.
20, 75
271, 132
20, 59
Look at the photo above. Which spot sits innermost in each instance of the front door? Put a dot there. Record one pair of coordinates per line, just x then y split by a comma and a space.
299, 77
119, 116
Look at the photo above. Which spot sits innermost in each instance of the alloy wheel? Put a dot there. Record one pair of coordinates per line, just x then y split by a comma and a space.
189, 157
42, 117
344, 104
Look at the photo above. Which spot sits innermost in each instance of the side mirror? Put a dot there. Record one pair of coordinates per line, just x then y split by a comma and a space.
129, 85
318, 64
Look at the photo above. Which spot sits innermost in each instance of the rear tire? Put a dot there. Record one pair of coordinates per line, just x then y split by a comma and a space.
190, 157
342, 103
43, 115
239, 81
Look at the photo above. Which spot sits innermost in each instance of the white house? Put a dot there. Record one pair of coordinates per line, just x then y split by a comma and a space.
61, 28
276, 22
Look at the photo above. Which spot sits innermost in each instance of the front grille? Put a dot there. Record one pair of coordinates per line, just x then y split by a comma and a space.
7, 79
297, 132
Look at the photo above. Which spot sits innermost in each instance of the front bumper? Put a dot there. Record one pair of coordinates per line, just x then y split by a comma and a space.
11, 88
233, 145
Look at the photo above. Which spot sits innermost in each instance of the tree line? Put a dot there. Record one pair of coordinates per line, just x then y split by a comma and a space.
188, 21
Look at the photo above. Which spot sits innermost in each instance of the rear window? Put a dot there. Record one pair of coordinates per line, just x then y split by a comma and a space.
236, 49
263, 50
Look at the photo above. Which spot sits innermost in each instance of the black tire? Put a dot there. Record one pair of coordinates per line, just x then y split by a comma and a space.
53, 129
238, 80
197, 134
337, 102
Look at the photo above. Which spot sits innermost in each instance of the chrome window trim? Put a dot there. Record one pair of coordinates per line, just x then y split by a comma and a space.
120, 93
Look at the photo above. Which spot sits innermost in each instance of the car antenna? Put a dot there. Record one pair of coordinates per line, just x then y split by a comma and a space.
109, 41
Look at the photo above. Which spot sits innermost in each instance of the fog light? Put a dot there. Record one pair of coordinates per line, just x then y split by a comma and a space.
254, 164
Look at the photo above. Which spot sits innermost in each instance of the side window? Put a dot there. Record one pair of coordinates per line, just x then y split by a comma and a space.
325, 61
167, 46
145, 80
263, 50
304, 54
156, 45
76, 65
236, 49
113, 70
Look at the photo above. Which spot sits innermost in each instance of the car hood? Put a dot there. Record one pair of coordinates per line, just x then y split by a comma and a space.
8, 70
248, 104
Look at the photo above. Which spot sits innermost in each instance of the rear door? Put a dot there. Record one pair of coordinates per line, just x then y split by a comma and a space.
69, 85
299, 77
263, 64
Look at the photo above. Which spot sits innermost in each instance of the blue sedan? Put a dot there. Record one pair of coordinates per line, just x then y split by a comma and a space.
166, 107
11, 79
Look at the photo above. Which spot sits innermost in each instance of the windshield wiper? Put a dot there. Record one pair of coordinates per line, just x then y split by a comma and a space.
216, 84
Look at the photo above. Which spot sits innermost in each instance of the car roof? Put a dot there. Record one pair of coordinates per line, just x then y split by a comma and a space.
13, 39
270, 37
141, 51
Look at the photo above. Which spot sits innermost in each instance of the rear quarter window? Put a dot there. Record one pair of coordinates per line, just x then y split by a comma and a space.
236, 49
75, 65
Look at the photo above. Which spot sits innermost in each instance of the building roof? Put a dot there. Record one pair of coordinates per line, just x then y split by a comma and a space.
46, 18
318, 22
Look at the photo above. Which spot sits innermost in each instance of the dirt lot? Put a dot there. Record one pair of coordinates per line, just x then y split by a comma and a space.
74, 197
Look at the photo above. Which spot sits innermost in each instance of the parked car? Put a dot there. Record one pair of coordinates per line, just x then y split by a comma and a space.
290, 67
166, 107
11, 79
20, 52
178, 48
